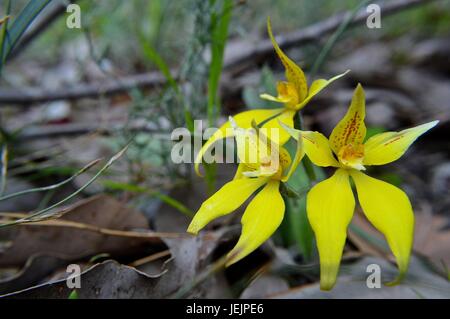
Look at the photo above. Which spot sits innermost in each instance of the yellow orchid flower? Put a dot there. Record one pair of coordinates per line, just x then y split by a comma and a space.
263, 164
294, 94
330, 203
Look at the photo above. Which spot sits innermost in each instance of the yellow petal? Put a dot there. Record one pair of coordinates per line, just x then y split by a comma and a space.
315, 145
287, 94
351, 129
279, 135
278, 99
389, 210
389, 146
287, 118
260, 220
284, 158
274, 166
243, 120
248, 145
259, 152
299, 153
330, 206
232, 195
240, 169
294, 73
316, 87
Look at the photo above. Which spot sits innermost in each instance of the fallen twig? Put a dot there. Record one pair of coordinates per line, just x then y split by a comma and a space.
28, 96
150, 258
243, 60
316, 31
51, 131
105, 231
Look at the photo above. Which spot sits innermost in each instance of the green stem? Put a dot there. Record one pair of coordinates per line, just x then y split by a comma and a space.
309, 168
298, 230
4, 31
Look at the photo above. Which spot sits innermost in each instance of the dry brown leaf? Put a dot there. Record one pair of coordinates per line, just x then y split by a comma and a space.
363, 245
105, 280
72, 243
36, 268
432, 237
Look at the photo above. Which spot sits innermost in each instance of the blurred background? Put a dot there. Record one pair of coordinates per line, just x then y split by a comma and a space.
86, 116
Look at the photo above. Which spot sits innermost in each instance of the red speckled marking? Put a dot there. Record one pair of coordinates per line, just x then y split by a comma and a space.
287, 64
352, 127
307, 138
393, 140
351, 131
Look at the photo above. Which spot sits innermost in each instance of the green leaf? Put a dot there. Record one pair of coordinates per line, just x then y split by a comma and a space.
148, 39
96, 258
113, 185
219, 35
19, 25
250, 95
156, 9
266, 85
5, 21
157, 59
73, 295
301, 231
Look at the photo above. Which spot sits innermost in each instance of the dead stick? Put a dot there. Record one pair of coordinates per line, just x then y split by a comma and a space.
76, 129
93, 228
28, 96
150, 258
